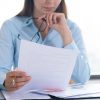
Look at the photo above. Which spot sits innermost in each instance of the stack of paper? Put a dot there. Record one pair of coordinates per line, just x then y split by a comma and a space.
87, 90
79, 91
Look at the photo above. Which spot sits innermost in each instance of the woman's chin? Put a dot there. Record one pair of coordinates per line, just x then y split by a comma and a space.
47, 11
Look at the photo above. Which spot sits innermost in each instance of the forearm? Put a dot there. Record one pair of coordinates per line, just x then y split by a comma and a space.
81, 72
66, 35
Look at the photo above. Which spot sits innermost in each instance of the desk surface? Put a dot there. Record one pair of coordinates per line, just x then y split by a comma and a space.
91, 81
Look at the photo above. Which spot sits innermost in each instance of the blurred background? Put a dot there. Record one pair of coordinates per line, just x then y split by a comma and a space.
83, 12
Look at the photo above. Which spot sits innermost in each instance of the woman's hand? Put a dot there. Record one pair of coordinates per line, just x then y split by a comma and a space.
58, 22
71, 82
15, 79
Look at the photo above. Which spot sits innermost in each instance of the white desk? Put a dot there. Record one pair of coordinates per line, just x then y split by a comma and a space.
91, 81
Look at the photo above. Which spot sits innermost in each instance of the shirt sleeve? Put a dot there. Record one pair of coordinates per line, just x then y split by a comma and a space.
6, 51
81, 72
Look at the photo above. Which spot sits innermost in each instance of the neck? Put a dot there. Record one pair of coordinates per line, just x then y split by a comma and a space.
43, 34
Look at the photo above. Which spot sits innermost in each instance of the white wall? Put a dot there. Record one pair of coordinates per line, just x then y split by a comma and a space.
9, 8
87, 15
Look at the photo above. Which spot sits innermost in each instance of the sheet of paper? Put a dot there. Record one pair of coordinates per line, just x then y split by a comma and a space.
18, 96
87, 90
49, 67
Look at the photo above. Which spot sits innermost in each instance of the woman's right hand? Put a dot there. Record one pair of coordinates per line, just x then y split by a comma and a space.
15, 80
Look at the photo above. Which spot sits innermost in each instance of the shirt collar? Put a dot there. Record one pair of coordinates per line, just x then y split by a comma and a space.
28, 21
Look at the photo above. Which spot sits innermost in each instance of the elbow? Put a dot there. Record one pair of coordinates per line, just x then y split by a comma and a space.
83, 77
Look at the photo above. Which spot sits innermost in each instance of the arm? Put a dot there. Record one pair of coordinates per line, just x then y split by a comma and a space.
72, 39
7, 60
6, 52
81, 71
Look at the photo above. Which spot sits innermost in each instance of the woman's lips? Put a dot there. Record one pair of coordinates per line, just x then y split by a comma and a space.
48, 8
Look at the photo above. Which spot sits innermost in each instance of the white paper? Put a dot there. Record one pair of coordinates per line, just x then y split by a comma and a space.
49, 67
87, 90
20, 96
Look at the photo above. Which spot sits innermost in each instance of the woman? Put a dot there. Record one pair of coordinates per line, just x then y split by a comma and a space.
44, 22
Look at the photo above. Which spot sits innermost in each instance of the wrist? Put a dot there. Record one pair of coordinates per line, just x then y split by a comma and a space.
67, 37
67, 41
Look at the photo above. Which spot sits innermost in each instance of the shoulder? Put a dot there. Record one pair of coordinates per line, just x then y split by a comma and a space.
15, 21
21, 20
12, 26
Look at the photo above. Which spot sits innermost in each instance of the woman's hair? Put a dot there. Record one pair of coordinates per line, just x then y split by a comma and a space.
29, 5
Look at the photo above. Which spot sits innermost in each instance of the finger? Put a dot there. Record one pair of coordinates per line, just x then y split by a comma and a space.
41, 17
9, 84
47, 19
16, 73
11, 89
71, 82
54, 19
18, 85
23, 79
50, 18
8, 81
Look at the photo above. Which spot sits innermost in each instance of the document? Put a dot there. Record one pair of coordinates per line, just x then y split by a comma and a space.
49, 67
87, 90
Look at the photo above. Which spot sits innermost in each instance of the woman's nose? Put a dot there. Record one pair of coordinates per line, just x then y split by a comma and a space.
49, 1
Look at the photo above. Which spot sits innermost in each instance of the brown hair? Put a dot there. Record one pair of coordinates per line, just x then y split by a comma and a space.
29, 5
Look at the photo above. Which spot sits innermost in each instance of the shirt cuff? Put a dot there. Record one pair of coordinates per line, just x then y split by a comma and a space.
2, 87
72, 45
2, 78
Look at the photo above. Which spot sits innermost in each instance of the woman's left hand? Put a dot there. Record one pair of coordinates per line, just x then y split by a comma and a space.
56, 20
59, 23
